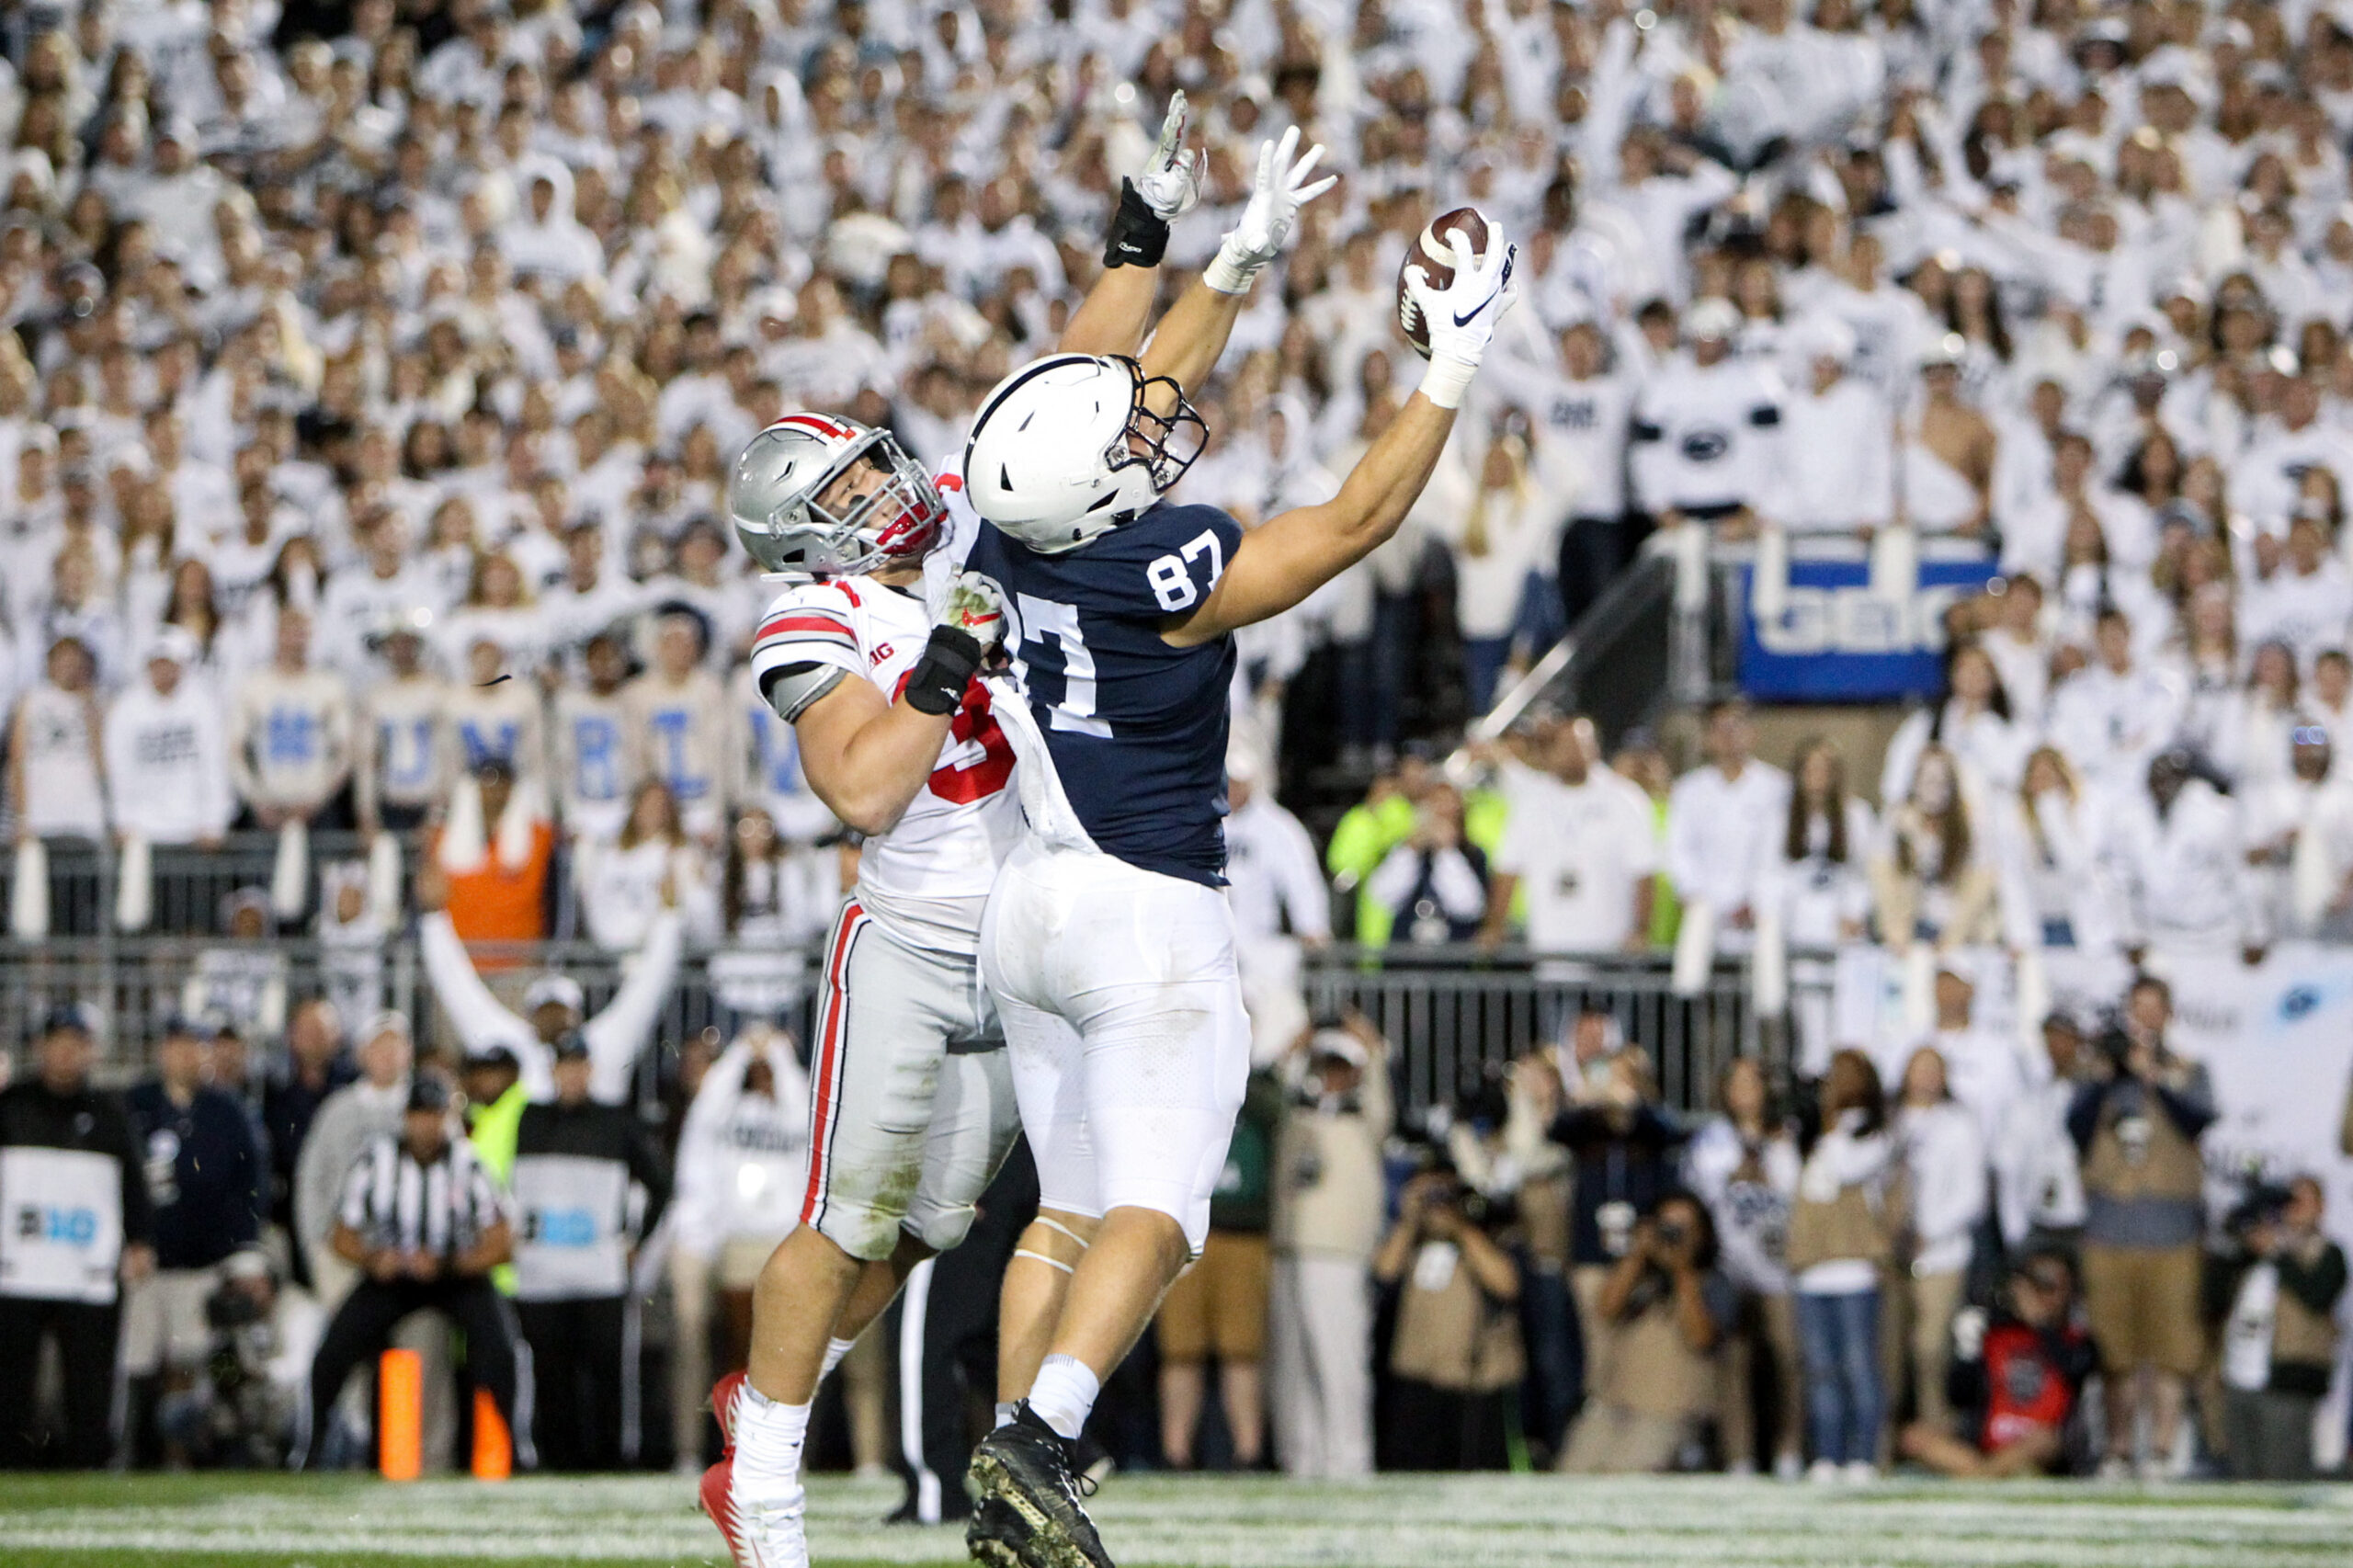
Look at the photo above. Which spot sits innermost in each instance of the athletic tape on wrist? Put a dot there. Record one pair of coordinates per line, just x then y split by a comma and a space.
1447, 379
936, 686
1228, 275
1138, 235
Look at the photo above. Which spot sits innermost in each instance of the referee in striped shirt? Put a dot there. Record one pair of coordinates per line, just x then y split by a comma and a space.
425, 1223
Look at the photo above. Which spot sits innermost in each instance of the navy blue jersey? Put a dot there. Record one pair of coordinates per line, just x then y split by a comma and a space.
1137, 729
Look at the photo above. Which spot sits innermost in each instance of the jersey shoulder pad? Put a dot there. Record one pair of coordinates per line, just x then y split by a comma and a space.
806, 642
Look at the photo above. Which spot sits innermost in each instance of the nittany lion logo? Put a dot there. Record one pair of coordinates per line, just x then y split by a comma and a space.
2298, 1002
1705, 445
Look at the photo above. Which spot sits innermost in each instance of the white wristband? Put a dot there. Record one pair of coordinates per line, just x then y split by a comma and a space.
1447, 379
1230, 276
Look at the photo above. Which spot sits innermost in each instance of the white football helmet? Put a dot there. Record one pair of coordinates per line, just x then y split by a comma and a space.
1068, 448
773, 493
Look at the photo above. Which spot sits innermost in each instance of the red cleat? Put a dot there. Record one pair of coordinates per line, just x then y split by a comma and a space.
712, 1497
723, 1405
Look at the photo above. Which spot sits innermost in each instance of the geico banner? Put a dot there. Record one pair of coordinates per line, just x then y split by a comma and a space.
2277, 1039
1836, 640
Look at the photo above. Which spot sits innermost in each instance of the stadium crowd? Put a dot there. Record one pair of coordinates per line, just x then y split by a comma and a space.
373, 375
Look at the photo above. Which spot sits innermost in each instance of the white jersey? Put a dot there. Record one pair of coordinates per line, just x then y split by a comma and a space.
926, 879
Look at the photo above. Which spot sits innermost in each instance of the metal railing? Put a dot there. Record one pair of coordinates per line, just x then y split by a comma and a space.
1614, 663
1450, 1013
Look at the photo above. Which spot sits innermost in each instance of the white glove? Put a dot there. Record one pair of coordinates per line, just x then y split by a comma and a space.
1170, 180
1267, 221
1462, 316
973, 606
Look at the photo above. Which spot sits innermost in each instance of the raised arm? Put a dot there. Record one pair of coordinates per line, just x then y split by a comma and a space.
1298, 552
1194, 333
1112, 318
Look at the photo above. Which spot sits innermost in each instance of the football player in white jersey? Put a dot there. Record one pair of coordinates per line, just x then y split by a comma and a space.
872, 660
1107, 943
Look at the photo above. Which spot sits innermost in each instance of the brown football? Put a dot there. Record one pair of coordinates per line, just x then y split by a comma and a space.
1430, 252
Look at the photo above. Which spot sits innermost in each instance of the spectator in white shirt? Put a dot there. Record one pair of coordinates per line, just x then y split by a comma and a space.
652, 866
1842, 425
1578, 844
1981, 1067
1817, 884
2299, 845
1973, 722
2176, 851
1943, 1153
1499, 542
2056, 890
1721, 822
168, 760
55, 777
2020, 647
2308, 602
291, 732
2114, 714
2038, 1179
2251, 740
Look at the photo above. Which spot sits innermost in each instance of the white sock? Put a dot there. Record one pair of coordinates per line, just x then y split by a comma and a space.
1065, 1394
1004, 1411
768, 1438
835, 1350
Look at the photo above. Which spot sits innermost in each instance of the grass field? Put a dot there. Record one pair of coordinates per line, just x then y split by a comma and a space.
1165, 1522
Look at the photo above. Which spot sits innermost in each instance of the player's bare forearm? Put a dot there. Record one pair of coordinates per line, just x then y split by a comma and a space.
867, 757
1298, 552
1192, 336
1112, 318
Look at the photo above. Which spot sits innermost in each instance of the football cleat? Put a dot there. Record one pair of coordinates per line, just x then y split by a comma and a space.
998, 1534
723, 1405
1025, 1466
768, 1538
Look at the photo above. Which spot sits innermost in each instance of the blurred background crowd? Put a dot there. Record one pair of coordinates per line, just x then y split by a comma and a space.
371, 372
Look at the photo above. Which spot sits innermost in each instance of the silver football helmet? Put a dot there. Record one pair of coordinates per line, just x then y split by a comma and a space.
774, 492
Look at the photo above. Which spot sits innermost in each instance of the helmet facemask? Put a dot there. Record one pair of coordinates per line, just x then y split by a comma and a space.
1165, 444
898, 520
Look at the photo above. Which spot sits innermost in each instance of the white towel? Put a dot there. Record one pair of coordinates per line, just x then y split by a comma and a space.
1920, 990
1768, 590
2311, 884
1895, 564
1695, 949
29, 899
134, 885
290, 875
2033, 1007
384, 880
1768, 966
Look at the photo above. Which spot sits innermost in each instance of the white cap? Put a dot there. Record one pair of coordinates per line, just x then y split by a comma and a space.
1340, 1043
176, 643
1714, 316
558, 988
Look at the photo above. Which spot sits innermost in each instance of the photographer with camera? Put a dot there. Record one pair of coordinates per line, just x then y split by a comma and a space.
1455, 1359
2137, 1125
1626, 1151
2280, 1287
1668, 1307
2016, 1374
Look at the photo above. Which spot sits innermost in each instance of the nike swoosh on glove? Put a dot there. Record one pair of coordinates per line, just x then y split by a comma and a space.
1463, 314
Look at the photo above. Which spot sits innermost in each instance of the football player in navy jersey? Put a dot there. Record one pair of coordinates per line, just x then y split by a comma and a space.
870, 655
1106, 941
